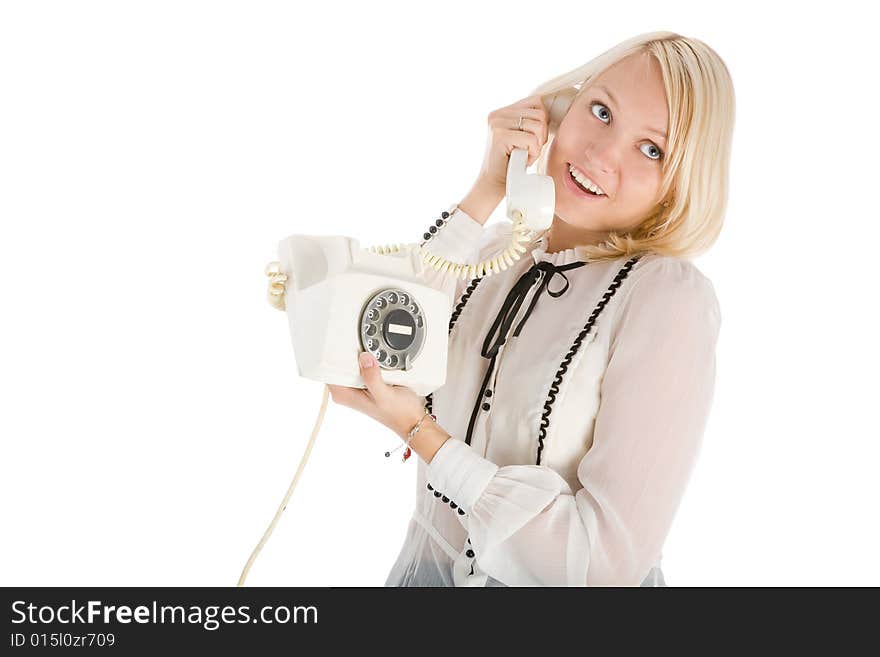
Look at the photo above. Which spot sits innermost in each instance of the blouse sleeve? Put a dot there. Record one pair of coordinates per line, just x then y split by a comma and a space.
528, 528
463, 240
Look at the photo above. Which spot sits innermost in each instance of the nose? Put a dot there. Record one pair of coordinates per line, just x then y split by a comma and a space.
599, 156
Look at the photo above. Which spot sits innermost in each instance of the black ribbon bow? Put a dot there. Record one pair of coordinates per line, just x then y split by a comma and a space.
497, 335
515, 299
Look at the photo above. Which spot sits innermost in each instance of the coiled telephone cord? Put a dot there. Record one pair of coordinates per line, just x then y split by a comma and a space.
514, 250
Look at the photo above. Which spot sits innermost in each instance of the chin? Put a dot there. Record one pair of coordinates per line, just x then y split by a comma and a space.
575, 221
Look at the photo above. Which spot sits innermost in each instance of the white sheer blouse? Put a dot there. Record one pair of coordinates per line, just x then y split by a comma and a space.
576, 398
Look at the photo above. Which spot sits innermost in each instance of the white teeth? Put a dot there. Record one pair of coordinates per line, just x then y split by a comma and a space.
583, 180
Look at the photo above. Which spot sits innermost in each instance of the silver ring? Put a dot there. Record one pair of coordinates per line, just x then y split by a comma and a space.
519, 125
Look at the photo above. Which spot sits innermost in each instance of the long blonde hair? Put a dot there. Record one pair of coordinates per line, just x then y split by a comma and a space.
696, 166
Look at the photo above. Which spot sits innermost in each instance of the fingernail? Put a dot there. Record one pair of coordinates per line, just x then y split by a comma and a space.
366, 360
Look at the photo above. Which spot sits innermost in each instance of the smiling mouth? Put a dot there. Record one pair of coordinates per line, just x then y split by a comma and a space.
581, 187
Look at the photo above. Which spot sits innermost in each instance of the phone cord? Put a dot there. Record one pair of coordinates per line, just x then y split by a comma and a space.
302, 465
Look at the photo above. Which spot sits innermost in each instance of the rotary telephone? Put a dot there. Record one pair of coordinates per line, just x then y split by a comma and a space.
341, 299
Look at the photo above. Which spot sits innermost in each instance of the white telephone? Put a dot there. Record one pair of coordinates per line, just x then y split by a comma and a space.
363, 300
341, 299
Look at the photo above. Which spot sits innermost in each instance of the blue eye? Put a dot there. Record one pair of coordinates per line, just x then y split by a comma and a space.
608, 112
653, 147
592, 105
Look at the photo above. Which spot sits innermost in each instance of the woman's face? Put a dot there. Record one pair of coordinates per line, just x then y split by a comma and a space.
609, 136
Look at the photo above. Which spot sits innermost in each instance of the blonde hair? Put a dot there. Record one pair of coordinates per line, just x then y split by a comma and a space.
696, 164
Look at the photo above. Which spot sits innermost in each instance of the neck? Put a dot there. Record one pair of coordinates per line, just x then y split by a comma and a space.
562, 236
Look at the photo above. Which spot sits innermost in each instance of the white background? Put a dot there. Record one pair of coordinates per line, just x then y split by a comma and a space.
152, 155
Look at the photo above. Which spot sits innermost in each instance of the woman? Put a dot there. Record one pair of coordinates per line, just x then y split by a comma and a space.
580, 378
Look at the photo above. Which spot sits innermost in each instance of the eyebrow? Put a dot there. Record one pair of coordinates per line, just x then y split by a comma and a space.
614, 101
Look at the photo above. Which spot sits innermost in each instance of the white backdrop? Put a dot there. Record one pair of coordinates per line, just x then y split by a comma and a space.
152, 155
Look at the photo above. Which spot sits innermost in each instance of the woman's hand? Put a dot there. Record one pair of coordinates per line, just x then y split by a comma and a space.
504, 137
397, 407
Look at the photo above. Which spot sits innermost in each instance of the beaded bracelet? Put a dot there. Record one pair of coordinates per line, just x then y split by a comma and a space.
410, 436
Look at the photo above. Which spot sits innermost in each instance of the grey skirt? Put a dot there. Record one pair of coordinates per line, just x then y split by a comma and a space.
429, 574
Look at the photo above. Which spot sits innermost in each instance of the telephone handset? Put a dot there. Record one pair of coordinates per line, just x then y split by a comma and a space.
531, 198
340, 298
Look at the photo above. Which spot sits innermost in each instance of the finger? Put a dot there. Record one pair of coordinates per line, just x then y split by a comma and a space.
535, 101
356, 398
537, 128
371, 374
525, 140
507, 113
